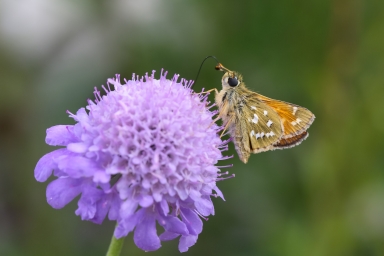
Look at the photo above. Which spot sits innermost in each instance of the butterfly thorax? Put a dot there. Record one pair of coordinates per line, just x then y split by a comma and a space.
231, 100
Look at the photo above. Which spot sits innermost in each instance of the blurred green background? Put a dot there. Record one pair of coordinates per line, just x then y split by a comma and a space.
324, 197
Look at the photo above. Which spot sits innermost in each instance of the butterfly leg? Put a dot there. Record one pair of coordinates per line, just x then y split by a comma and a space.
226, 125
214, 121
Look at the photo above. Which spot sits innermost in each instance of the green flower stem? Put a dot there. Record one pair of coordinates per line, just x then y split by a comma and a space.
115, 246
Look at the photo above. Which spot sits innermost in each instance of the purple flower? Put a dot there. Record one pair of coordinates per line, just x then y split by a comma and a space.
143, 153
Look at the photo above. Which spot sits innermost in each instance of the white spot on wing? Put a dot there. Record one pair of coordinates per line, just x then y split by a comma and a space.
255, 119
265, 112
294, 110
252, 133
262, 135
257, 135
269, 123
297, 121
269, 134
252, 107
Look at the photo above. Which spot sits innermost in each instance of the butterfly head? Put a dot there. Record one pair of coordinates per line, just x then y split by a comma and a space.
231, 79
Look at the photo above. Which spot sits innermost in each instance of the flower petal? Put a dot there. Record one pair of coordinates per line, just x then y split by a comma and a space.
124, 187
166, 236
115, 206
78, 166
101, 177
146, 201
219, 193
164, 207
186, 242
63, 190
145, 236
120, 230
204, 206
128, 207
192, 220
77, 147
93, 205
46, 164
81, 116
174, 225
60, 135
126, 225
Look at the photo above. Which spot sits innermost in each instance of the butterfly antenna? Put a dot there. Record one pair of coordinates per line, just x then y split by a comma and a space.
211, 56
220, 67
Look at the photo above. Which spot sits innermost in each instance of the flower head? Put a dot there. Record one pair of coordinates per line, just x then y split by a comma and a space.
143, 153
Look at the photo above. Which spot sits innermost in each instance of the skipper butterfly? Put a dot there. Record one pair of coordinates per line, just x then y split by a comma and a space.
257, 123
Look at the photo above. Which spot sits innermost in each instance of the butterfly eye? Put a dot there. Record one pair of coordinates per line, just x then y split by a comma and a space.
232, 81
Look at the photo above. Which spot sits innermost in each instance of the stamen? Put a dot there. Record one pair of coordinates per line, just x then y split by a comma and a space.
190, 84
203, 217
225, 166
90, 104
204, 98
217, 129
164, 76
226, 157
175, 78
105, 89
223, 149
225, 178
97, 94
117, 78
213, 105
71, 114
225, 142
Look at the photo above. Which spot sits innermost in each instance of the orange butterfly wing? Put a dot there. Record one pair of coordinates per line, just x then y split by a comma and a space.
295, 120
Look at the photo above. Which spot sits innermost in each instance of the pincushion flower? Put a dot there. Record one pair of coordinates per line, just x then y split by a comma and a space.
143, 153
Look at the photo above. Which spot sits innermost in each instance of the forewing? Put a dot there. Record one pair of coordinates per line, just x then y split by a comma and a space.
295, 119
261, 124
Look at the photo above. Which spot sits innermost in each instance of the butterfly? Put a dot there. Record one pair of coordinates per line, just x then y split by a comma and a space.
257, 123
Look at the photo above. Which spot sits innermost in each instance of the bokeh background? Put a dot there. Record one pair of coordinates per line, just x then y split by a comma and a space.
325, 197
